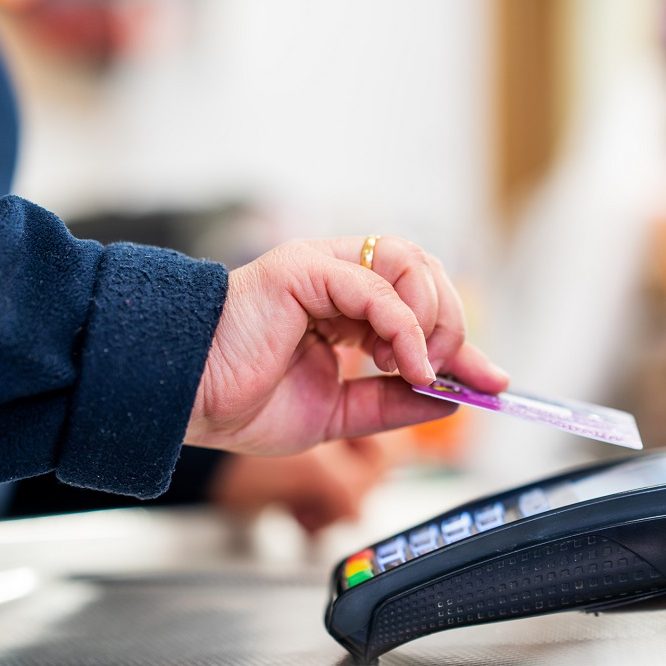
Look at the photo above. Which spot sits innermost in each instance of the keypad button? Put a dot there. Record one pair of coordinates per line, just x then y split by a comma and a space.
457, 528
392, 553
532, 502
424, 540
489, 517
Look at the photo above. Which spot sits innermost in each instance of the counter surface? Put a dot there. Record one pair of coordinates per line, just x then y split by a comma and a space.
137, 587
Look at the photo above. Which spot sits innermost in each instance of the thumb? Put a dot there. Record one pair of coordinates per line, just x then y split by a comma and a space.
375, 404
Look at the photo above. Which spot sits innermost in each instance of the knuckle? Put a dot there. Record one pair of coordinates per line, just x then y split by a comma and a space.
406, 249
301, 254
413, 253
436, 264
382, 289
392, 239
412, 331
291, 265
417, 253
294, 250
277, 256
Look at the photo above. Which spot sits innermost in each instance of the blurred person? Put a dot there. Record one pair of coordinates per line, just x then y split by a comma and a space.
111, 357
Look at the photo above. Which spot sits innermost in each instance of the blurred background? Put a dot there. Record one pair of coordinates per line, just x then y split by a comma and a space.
522, 142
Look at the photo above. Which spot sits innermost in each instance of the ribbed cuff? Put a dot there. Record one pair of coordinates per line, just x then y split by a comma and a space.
150, 326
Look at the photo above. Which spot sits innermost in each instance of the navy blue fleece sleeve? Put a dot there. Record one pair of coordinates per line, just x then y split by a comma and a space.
101, 350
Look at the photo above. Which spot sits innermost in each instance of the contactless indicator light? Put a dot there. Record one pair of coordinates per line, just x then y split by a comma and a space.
357, 565
359, 577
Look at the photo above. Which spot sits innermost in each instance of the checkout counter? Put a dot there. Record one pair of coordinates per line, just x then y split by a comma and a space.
189, 586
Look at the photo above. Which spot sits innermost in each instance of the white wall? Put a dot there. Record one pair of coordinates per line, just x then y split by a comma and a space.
352, 111
566, 305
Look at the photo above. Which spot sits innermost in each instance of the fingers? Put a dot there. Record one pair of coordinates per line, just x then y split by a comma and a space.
374, 404
420, 281
449, 331
447, 349
335, 479
401, 263
405, 265
406, 298
338, 287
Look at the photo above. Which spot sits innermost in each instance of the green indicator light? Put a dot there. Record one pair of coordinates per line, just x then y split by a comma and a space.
359, 577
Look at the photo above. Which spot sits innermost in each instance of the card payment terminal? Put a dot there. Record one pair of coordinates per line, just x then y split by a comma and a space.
591, 539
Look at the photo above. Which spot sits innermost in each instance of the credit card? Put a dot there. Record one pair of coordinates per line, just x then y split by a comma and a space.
580, 418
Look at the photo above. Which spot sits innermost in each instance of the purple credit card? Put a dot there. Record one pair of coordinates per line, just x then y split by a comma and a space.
579, 418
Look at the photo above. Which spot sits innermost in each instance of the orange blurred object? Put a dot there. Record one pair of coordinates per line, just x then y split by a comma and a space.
442, 440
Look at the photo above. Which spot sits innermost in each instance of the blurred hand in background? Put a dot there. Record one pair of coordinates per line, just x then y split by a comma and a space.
319, 487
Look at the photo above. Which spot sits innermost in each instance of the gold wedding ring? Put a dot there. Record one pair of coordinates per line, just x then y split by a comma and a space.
368, 251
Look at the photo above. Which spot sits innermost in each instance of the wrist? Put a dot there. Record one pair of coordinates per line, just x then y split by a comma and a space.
198, 425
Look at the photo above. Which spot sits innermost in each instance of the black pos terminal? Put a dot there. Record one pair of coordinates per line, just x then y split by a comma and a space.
592, 539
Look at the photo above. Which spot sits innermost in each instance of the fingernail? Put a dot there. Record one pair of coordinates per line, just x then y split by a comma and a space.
391, 365
428, 371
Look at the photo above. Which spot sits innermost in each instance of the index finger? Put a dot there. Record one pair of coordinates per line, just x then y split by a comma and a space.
402, 263
331, 287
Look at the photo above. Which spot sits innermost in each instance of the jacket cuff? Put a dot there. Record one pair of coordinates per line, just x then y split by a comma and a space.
151, 323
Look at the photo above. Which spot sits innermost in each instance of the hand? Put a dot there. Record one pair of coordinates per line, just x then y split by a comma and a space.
271, 384
318, 487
